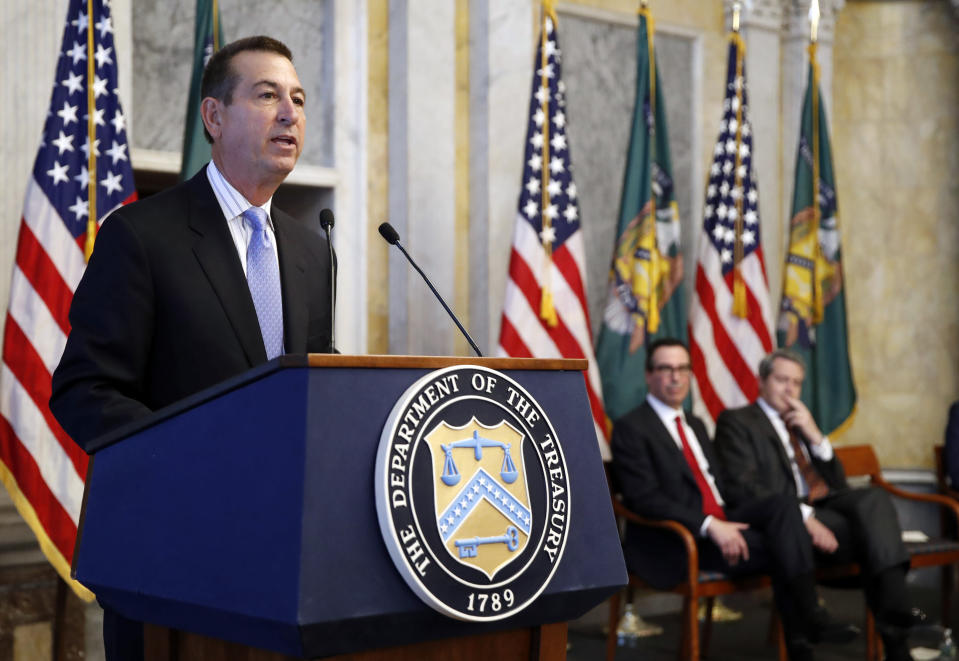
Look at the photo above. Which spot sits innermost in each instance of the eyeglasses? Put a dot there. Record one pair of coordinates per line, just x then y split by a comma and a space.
680, 370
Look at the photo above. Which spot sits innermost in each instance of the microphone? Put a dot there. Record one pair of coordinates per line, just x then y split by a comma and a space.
393, 238
327, 222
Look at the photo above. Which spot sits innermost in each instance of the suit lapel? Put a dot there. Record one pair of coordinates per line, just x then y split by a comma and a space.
665, 440
763, 423
293, 279
216, 253
706, 446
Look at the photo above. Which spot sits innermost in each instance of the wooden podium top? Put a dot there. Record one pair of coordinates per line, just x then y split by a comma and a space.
437, 362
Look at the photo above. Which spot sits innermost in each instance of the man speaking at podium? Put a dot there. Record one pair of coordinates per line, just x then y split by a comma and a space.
203, 281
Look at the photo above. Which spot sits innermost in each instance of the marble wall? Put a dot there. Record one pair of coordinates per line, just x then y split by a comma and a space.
895, 131
896, 150
598, 38
599, 68
30, 34
163, 56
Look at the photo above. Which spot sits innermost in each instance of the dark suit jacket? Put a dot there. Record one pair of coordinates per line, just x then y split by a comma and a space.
163, 309
655, 481
952, 446
753, 461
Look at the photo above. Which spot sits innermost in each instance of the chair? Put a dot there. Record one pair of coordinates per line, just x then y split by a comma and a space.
861, 461
948, 527
858, 461
697, 584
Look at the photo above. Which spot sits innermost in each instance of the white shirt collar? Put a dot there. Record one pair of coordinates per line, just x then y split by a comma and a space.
777, 421
770, 412
231, 201
665, 412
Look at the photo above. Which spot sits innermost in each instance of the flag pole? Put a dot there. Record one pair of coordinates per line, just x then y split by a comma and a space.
216, 27
654, 256
547, 311
817, 308
739, 286
91, 141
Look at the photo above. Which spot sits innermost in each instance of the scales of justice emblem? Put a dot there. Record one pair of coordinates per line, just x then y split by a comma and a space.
482, 503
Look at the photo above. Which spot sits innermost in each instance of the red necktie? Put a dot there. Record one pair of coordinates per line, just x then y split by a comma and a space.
710, 504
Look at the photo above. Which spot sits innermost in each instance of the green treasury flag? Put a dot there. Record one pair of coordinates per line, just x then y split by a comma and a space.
645, 297
207, 40
812, 316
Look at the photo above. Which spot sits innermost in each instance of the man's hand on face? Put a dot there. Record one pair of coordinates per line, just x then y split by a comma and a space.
800, 419
822, 537
728, 537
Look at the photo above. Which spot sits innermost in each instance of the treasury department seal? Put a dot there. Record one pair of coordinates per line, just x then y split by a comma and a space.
472, 493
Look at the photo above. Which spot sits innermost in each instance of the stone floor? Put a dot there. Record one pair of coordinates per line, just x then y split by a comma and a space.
27, 604
746, 639
28, 595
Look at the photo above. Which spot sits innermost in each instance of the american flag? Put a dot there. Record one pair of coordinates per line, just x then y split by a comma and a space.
42, 468
729, 321
544, 311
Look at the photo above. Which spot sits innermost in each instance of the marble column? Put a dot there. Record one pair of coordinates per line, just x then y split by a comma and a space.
501, 61
760, 25
421, 172
349, 157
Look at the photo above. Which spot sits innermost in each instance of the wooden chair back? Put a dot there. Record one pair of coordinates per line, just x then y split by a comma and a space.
938, 451
859, 461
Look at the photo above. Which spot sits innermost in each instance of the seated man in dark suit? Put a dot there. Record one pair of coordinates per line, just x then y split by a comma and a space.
664, 466
203, 281
773, 447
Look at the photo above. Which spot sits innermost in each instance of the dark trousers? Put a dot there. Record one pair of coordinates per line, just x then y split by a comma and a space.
777, 539
122, 637
778, 544
866, 526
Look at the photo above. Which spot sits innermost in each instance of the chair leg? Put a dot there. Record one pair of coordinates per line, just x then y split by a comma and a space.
689, 648
614, 614
777, 636
707, 625
948, 583
873, 644
683, 649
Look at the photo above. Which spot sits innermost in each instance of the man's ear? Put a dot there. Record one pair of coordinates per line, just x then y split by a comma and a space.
210, 112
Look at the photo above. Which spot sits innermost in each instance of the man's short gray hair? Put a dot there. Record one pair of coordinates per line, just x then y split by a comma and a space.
766, 364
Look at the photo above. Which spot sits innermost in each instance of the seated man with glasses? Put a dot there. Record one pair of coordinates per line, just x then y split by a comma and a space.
663, 463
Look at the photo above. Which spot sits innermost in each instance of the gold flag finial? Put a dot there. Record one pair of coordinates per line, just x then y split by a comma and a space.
813, 20
549, 9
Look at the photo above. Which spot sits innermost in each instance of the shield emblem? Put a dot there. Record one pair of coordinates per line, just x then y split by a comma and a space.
482, 502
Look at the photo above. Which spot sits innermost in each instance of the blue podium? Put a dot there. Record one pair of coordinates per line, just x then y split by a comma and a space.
245, 515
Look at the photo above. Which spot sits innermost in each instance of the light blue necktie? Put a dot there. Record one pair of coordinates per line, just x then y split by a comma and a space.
263, 277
